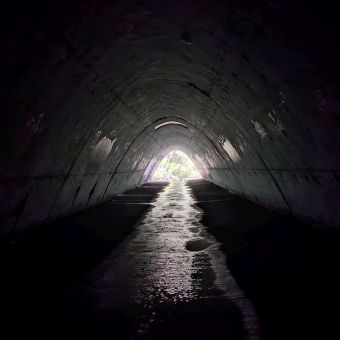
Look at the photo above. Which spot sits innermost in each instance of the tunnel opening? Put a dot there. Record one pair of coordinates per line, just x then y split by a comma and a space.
176, 165
97, 97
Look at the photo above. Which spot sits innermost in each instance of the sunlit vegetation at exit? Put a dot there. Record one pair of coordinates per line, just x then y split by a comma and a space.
176, 166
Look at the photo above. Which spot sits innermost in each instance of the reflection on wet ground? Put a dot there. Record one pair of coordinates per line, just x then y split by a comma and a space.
171, 260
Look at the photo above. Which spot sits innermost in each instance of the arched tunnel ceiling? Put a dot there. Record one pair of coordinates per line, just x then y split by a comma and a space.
83, 85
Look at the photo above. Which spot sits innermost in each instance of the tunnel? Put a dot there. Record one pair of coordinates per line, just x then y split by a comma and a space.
94, 94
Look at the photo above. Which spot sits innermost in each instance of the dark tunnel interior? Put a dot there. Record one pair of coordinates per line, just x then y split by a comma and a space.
95, 93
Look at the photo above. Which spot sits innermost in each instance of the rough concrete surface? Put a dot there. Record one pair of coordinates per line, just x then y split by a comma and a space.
85, 83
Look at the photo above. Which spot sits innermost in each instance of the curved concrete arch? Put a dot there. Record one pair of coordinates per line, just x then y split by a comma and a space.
81, 97
172, 136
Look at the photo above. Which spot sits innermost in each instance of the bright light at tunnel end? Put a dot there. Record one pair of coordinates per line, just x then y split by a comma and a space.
176, 165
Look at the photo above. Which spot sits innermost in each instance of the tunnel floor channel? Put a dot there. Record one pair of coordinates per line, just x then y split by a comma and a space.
180, 260
170, 270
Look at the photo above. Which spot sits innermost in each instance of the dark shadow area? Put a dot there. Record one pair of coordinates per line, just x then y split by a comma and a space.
38, 266
199, 320
289, 270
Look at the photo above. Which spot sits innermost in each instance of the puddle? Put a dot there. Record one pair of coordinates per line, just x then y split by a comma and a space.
197, 244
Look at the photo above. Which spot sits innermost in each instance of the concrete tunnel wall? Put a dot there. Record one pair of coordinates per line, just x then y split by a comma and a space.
84, 84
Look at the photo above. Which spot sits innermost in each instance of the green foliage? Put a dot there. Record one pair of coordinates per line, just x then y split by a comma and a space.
176, 165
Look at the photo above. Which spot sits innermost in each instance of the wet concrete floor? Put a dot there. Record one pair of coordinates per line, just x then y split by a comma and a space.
172, 261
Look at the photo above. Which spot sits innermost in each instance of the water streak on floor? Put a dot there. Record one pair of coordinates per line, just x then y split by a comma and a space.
170, 259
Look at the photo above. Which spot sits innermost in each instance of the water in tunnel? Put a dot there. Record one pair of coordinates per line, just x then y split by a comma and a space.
170, 263
100, 100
